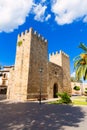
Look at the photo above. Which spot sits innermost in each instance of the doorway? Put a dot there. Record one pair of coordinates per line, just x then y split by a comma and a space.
55, 90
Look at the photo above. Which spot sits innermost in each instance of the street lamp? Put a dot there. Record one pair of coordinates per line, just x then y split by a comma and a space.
41, 70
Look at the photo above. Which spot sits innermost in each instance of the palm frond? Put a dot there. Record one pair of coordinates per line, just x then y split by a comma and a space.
80, 63
78, 73
85, 76
85, 72
76, 58
77, 63
86, 60
83, 46
84, 69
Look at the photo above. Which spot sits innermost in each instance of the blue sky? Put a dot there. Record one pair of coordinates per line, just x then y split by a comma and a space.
62, 22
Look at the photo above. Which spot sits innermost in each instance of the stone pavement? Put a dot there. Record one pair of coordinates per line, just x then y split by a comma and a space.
33, 116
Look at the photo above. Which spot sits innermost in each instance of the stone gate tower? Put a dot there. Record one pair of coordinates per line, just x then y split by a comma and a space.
30, 72
62, 59
33, 73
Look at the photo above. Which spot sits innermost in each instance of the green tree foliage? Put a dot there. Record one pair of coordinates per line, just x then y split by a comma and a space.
85, 90
77, 88
80, 63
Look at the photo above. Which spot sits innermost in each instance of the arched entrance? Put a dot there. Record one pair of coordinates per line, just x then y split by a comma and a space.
55, 90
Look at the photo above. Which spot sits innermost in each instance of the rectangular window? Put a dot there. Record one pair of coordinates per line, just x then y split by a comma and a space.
3, 82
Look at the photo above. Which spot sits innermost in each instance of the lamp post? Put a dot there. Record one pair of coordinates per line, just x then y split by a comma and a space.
41, 70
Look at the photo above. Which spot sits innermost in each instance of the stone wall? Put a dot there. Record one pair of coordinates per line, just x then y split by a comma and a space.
10, 88
56, 58
38, 60
31, 56
66, 72
21, 69
62, 59
55, 76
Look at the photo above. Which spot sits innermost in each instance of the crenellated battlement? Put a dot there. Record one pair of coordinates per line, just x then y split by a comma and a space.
39, 36
63, 53
54, 53
25, 33
35, 33
58, 53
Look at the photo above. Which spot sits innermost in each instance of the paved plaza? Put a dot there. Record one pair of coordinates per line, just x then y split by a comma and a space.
33, 116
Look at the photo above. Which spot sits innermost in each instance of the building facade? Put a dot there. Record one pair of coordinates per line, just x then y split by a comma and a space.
33, 74
81, 85
4, 76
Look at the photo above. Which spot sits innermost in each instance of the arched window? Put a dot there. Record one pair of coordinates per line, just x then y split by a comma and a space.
4, 75
3, 82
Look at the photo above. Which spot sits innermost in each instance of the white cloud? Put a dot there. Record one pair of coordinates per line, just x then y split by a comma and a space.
39, 12
85, 19
13, 13
42, 1
67, 11
73, 74
48, 17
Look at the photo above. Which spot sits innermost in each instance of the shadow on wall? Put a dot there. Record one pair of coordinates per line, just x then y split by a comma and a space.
33, 116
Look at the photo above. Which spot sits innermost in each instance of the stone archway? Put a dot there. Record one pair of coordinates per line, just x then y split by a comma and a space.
55, 90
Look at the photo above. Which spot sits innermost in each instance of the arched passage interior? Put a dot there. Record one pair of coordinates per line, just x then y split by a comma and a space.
55, 90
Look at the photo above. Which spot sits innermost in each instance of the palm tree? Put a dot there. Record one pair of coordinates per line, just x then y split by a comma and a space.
80, 63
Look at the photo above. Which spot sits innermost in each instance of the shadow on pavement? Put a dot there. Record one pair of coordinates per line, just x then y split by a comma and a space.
33, 116
2, 96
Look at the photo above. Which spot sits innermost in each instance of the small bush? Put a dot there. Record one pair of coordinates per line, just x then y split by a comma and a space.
86, 92
65, 98
85, 88
77, 88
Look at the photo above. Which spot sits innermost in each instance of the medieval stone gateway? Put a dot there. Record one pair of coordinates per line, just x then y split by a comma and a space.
25, 77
